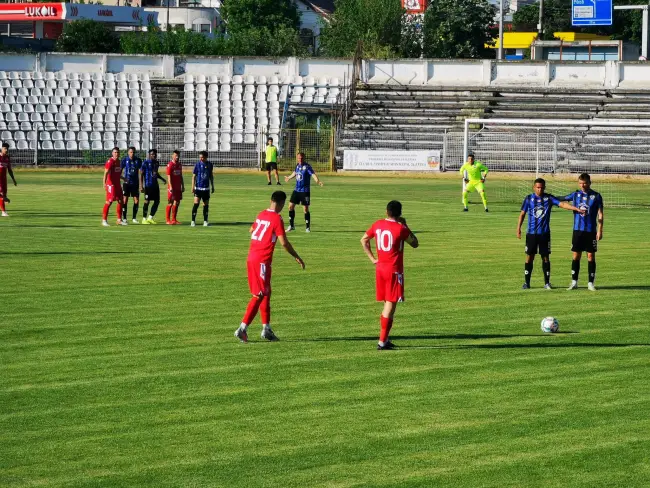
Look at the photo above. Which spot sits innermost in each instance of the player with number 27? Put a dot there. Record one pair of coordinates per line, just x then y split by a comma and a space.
390, 234
265, 232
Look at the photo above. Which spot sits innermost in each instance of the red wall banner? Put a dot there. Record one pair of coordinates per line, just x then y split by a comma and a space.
414, 6
25, 12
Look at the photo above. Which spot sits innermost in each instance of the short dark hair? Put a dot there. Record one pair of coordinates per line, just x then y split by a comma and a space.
301, 154
115, 149
279, 197
4, 144
204, 154
153, 151
394, 209
176, 151
470, 155
585, 177
132, 148
269, 139
540, 180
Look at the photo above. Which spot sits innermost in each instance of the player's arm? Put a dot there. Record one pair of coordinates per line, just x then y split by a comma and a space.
182, 184
161, 178
170, 186
484, 172
315, 176
212, 180
601, 221
365, 243
193, 182
522, 216
411, 239
462, 173
11, 173
290, 177
104, 180
568, 206
141, 178
289, 248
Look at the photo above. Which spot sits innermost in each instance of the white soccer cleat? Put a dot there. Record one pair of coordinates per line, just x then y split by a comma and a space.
241, 335
307, 230
105, 223
136, 221
591, 287
5, 214
268, 334
289, 229
122, 222
193, 224
573, 285
206, 224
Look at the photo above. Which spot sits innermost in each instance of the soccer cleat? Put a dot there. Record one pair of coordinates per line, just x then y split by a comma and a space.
105, 223
206, 224
122, 222
145, 221
591, 287
278, 183
169, 222
573, 285
241, 335
465, 209
548, 286
486, 210
136, 221
388, 346
525, 286
307, 229
269, 183
125, 222
5, 214
176, 222
268, 334
289, 229
193, 224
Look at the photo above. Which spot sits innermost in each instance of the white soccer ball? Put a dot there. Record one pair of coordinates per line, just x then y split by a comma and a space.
550, 324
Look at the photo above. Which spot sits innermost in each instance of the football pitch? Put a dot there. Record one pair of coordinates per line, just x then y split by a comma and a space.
118, 365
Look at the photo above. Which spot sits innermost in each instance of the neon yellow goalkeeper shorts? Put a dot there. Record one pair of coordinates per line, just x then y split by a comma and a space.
478, 185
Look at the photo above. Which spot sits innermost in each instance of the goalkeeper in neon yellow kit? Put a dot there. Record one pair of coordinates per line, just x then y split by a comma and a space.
474, 173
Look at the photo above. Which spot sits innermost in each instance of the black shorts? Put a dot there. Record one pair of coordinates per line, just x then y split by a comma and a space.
300, 198
538, 244
271, 166
584, 241
152, 193
130, 190
202, 195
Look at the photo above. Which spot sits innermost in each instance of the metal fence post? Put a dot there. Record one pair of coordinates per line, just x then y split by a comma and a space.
36, 149
443, 163
555, 153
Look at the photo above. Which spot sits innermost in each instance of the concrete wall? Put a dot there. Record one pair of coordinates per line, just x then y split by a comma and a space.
474, 73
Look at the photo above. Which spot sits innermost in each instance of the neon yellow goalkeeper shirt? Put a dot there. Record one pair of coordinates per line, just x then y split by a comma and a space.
475, 172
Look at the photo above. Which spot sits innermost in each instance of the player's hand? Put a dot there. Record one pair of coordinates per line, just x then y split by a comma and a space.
182, 189
599, 235
15, 184
286, 179
582, 211
401, 220
213, 189
482, 180
141, 190
518, 233
465, 180
320, 183
300, 262
374, 260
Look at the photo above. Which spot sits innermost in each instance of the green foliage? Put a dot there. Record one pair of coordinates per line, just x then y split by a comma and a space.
87, 36
283, 41
178, 41
458, 29
243, 15
377, 23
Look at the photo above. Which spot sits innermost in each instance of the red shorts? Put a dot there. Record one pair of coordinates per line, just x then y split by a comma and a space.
259, 278
114, 193
174, 196
390, 285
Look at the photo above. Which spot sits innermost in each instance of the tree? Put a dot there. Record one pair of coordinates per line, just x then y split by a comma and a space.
178, 41
377, 23
87, 36
458, 29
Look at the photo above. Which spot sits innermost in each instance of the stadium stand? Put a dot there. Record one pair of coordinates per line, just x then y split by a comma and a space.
423, 117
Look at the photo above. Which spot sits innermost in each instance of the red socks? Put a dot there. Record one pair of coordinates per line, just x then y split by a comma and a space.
105, 212
168, 210
251, 310
386, 325
119, 211
265, 310
174, 212
2, 204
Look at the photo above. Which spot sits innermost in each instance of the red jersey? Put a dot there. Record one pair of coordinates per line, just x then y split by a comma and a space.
175, 173
390, 236
267, 228
114, 171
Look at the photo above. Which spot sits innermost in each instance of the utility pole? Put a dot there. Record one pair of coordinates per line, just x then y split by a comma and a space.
500, 56
644, 34
540, 28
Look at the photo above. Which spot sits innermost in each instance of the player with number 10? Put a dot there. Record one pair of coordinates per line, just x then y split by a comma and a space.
265, 232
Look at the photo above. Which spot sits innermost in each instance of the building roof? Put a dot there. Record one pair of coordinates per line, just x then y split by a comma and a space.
323, 7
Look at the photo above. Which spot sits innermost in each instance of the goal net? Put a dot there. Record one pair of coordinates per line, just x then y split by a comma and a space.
616, 151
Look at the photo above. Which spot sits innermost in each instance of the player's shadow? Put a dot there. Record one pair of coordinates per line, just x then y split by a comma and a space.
625, 287
53, 214
226, 224
422, 337
537, 345
60, 253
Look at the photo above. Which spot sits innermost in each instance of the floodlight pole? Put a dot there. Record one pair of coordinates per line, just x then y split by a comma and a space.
500, 56
644, 33
540, 28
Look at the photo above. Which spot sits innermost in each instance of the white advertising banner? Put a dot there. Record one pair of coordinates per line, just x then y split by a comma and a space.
108, 13
362, 160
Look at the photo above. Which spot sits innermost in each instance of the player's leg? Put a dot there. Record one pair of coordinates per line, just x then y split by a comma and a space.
575, 269
292, 212
480, 188
386, 322
268, 173
467, 188
107, 207
155, 196
168, 208
206, 208
277, 175
591, 267
528, 270
195, 209
175, 206
546, 269
251, 311
307, 215
136, 205
125, 202
145, 207
2, 203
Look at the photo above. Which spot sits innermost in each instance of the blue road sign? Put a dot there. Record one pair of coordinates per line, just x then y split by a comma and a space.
591, 12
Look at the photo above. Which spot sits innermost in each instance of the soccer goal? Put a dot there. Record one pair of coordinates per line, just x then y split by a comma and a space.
558, 150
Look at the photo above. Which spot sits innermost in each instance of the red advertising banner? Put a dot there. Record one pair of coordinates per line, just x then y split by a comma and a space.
414, 6
21, 12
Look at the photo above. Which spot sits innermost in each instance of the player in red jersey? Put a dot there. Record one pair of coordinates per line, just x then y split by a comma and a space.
112, 184
390, 233
175, 188
5, 167
267, 229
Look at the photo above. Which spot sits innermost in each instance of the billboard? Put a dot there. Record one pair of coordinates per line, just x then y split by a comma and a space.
591, 12
414, 6
31, 12
361, 160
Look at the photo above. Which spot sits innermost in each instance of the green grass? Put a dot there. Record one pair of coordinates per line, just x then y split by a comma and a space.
118, 367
